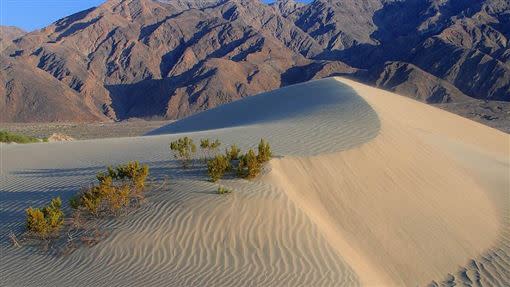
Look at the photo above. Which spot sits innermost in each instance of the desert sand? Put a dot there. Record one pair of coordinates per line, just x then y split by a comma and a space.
366, 188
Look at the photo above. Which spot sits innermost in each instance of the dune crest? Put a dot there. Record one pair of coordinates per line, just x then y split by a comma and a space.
400, 209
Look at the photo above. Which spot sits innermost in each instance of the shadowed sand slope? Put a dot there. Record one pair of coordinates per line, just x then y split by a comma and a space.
368, 188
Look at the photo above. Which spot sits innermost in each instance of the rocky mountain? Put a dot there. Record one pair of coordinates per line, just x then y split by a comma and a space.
148, 58
8, 34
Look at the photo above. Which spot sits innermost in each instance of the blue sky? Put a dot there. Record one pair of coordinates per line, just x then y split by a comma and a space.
34, 14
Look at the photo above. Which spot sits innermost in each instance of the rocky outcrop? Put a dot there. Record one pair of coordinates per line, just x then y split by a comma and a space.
9, 34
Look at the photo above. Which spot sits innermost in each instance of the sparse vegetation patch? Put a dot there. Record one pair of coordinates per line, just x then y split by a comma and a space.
119, 190
8, 137
183, 150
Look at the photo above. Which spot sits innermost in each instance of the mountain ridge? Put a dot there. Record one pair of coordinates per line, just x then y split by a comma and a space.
146, 58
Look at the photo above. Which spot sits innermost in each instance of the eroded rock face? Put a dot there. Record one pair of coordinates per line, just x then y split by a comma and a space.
9, 34
172, 58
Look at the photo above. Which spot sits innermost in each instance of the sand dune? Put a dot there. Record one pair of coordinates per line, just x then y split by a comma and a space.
368, 188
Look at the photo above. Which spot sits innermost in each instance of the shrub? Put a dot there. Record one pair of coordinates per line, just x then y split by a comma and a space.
115, 190
222, 190
91, 198
42, 221
132, 171
117, 197
264, 151
217, 167
8, 137
209, 147
183, 149
233, 152
53, 214
36, 222
249, 166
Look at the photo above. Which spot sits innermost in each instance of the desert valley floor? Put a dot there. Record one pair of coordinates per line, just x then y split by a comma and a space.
366, 188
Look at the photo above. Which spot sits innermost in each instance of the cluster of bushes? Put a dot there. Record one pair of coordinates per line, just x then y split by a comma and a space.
8, 137
248, 164
184, 149
117, 188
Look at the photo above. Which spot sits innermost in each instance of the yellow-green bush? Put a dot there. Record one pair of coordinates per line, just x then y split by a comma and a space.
42, 221
233, 152
36, 222
264, 151
183, 149
217, 167
114, 191
117, 198
249, 166
223, 190
53, 213
209, 147
132, 171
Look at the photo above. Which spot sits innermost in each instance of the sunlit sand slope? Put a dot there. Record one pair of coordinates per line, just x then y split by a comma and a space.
417, 202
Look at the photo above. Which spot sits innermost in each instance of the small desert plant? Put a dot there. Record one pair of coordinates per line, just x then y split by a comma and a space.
114, 191
217, 167
264, 151
223, 190
36, 222
249, 166
209, 147
183, 149
53, 214
233, 152
42, 221
117, 198
132, 171
102, 197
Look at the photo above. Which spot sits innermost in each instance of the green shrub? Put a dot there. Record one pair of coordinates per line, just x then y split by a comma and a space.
117, 197
114, 191
53, 214
233, 152
42, 221
249, 166
36, 222
132, 171
264, 151
8, 137
209, 147
223, 190
217, 167
183, 149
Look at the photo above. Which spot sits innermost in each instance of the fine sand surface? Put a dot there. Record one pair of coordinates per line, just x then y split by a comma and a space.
367, 188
